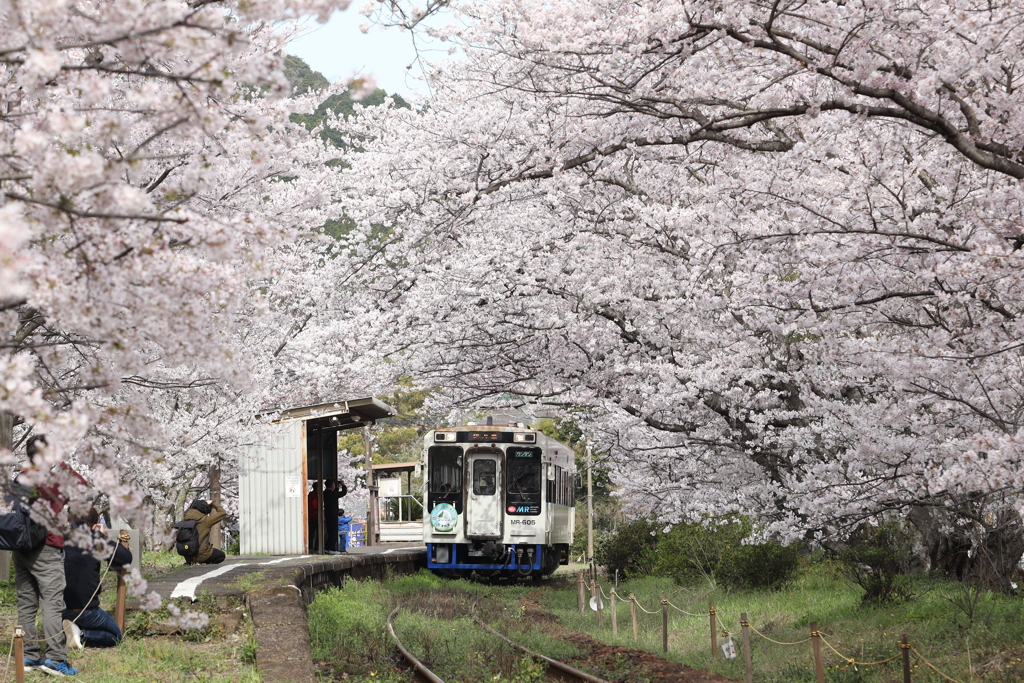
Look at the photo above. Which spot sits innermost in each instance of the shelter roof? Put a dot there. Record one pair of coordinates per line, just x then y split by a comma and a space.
395, 467
343, 414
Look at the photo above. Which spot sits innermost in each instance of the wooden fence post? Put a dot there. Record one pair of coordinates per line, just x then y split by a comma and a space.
615, 615
714, 635
746, 647
905, 649
583, 595
819, 667
664, 623
595, 593
19, 654
632, 614
122, 589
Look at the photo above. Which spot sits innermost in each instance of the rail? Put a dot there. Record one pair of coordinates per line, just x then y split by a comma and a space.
561, 666
420, 666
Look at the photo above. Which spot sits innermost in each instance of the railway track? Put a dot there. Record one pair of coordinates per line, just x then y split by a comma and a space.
559, 671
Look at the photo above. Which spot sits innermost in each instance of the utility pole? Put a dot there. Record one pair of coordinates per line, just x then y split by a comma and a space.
590, 506
371, 486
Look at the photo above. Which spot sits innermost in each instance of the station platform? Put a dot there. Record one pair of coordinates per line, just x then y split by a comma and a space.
274, 591
228, 578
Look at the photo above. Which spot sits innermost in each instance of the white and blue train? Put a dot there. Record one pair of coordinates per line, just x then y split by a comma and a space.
499, 501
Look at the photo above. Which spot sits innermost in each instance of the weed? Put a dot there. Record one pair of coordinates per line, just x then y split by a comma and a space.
249, 582
8, 598
966, 596
247, 650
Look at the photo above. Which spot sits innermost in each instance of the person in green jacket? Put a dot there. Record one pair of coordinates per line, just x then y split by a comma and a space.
206, 513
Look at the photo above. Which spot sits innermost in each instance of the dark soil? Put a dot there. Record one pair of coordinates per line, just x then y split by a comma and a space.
628, 665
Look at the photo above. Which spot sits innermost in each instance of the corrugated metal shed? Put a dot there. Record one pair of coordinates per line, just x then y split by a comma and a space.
272, 494
273, 475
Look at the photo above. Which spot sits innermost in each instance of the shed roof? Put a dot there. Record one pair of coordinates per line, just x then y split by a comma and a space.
349, 414
395, 467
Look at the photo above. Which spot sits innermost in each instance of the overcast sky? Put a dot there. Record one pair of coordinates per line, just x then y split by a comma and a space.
339, 50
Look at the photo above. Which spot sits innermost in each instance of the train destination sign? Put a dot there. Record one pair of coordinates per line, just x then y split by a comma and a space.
486, 436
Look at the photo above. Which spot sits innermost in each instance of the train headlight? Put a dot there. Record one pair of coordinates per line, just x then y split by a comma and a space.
524, 437
444, 436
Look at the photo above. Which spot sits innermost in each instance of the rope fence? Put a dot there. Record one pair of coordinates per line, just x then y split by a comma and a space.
716, 625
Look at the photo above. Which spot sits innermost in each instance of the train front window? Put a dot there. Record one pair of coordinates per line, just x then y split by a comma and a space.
445, 474
485, 477
524, 479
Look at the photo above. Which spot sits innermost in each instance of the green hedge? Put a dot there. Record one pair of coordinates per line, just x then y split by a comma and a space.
693, 552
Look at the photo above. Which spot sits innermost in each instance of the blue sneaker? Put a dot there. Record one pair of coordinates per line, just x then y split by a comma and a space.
57, 668
33, 664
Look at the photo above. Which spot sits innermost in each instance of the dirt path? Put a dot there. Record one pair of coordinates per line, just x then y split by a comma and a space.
635, 664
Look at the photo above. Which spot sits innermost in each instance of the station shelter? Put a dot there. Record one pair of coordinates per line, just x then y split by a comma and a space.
276, 474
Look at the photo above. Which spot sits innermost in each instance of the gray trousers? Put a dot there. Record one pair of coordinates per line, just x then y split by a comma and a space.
39, 582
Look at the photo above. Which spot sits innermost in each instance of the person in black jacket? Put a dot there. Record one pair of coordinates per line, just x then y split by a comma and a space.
332, 496
85, 623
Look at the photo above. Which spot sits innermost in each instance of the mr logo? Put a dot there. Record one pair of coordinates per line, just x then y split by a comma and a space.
511, 508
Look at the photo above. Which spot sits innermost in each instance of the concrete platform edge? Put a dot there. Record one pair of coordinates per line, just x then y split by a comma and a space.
278, 606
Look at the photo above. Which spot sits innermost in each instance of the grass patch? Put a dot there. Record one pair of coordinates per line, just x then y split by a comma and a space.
350, 640
156, 660
158, 562
200, 656
249, 582
982, 643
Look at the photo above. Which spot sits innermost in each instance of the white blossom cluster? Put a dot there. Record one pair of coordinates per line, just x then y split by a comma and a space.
767, 253
158, 244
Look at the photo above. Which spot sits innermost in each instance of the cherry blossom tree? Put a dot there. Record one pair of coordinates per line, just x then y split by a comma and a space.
157, 232
769, 248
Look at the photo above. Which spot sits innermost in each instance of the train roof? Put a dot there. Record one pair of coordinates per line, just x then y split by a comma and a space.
556, 449
500, 428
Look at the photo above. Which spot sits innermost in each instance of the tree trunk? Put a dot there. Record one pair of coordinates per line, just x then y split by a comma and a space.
988, 558
215, 536
6, 431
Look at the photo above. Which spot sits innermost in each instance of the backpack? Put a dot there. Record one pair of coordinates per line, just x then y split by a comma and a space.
18, 531
186, 539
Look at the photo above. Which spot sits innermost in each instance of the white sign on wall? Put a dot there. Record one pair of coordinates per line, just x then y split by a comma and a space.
291, 487
389, 488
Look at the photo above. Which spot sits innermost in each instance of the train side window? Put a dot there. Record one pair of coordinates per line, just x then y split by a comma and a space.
445, 472
485, 477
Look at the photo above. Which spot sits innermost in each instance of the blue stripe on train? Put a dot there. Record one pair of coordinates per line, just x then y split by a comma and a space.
512, 564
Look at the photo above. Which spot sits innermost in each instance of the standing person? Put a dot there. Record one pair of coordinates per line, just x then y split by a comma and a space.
313, 505
39, 575
205, 513
331, 498
85, 622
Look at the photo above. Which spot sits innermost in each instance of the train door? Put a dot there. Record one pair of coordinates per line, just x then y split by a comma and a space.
484, 518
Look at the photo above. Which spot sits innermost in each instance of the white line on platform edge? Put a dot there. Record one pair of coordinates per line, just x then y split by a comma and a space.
285, 559
187, 588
